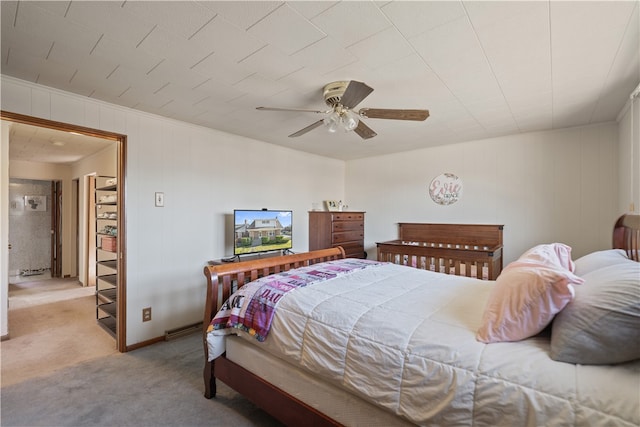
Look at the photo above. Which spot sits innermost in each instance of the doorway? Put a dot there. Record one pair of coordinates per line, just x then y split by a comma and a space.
35, 220
71, 242
35, 232
32, 224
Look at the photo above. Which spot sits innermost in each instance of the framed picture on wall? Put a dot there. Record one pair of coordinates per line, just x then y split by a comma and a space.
35, 203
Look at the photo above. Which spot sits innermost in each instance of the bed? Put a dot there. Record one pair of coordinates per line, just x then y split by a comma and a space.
386, 344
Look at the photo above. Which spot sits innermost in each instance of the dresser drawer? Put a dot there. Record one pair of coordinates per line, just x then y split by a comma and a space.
348, 216
339, 226
347, 236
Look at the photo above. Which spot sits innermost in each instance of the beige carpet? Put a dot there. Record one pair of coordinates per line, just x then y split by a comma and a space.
50, 328
38, 290
155, 386
60, 369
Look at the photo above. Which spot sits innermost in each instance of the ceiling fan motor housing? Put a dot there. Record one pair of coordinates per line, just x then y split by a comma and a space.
333, 92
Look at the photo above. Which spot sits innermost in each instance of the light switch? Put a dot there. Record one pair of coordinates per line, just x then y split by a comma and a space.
159, 199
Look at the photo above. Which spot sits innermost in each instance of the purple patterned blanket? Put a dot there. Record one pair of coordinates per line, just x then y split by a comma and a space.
252, 307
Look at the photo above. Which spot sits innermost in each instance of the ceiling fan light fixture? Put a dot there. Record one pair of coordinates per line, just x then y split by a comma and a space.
344, 120
332, 121
351, 121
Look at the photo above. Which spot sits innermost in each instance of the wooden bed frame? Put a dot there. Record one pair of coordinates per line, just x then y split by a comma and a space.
626, 235
472, 250
222, 279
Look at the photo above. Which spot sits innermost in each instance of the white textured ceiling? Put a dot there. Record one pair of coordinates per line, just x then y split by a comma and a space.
39, 144
481, 68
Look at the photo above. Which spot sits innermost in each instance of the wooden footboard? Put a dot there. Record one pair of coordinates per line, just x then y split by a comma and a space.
472, 250
223, 280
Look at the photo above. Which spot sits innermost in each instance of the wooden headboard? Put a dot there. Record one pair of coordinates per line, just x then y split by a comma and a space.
626, 235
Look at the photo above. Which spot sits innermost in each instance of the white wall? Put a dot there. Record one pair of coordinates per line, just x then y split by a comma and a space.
629, 157
204, 175
4, 228
544, 187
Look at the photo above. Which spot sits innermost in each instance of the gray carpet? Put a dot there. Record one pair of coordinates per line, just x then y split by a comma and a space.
158, 385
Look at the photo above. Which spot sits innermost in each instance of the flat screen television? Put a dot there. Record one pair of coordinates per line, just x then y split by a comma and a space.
263, 230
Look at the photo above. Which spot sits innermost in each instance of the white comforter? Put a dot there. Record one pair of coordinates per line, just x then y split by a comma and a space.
404, 339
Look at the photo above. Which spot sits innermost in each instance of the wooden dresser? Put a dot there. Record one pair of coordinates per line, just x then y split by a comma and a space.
331, 229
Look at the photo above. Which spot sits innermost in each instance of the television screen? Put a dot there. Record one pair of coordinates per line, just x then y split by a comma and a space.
261, 231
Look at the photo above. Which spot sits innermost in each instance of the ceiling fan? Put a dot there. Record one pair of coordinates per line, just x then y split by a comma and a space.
342, 97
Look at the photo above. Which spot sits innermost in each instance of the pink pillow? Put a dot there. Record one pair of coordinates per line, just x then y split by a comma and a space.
554, 255
528, 294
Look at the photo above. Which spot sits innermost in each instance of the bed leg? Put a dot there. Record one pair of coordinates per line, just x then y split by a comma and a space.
209, 380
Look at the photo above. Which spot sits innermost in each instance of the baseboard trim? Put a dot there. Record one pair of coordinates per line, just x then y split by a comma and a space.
183, 331
144, 343
168, 335
5, 337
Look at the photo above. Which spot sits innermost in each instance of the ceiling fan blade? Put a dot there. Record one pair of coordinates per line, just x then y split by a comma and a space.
364, 131
292, 109
385, 113
355, 93
307, 129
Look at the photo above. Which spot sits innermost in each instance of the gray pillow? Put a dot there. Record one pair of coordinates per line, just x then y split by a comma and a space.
602, 323
599, 259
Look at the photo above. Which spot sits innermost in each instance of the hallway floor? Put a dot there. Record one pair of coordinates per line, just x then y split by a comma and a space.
42, 289
51, 326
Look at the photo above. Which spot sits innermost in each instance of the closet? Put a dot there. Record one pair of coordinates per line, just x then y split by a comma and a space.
106, 217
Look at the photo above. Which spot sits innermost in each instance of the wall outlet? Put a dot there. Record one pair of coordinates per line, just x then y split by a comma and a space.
146, 314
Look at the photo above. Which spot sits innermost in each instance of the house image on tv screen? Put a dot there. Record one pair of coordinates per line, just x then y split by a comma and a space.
262, 231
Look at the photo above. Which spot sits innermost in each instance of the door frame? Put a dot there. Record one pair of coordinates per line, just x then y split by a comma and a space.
121, 141
56, 226
90, 231
75, 187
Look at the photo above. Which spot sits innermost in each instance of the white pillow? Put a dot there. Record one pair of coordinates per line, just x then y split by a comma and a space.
596, 260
